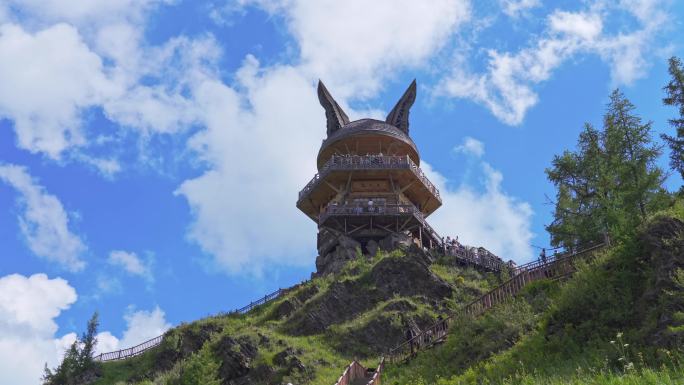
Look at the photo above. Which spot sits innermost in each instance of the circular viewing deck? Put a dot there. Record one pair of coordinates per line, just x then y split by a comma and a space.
370, 163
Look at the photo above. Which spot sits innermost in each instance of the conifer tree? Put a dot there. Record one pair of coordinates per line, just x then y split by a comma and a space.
674, 91
78, 359
610, 183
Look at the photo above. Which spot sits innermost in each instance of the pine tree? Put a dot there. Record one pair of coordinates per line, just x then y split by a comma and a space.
78, 359
674, 91
631, 158
610, 183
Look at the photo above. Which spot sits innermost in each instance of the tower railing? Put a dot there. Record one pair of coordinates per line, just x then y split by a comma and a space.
369, 162
362, 210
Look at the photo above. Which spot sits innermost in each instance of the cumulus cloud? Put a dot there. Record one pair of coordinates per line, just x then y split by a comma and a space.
51, 78
259, 135
130, 262
516, 8
259, 158
506, 88
471, 146
43, 221
28, 308
141, 325
355, 45
489, 218
92, 55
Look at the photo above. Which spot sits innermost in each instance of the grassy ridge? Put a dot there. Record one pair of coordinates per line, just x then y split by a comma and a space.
324, 355
597, 328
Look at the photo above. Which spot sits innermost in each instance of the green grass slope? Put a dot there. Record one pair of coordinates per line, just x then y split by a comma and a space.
309, 335
619, 320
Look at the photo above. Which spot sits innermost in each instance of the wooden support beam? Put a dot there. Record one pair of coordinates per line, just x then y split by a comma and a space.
420, 236
407, 186
425, 203
357, 228
332, 187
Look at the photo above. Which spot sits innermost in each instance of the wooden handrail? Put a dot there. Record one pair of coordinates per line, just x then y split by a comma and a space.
122, 354
355, 371
556, 268
369, 162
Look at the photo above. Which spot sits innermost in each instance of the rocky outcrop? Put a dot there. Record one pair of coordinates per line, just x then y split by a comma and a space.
181, 342
236, 357
381, 332
349, 249
290, 305
333, 262
407, 276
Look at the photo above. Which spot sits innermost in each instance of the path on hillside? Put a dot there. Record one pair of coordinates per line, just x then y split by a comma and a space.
555, 267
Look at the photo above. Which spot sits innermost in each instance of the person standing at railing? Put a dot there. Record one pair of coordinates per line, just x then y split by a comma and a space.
409, 337
543, 255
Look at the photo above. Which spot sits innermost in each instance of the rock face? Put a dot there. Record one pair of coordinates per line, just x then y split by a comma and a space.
332, 262
236, 357
348, 249
408, 276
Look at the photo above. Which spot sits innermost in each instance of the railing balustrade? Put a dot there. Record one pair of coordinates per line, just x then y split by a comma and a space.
364, 210
558, 267
472, 256
368, 162
156, 341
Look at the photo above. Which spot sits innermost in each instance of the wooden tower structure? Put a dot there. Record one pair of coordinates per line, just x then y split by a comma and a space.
369, 183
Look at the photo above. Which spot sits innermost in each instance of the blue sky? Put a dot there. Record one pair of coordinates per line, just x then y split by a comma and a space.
151, 151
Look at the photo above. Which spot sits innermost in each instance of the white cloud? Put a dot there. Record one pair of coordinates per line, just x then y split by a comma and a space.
507, 86
492, 219
28, 308
259, 158
69, 59
141, 326
516, 8
258, 141
51, 78
43, 221
84, 12
584, 26
130, 262
471, 146
355, 45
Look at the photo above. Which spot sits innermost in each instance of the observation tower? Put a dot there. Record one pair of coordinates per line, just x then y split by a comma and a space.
369, 186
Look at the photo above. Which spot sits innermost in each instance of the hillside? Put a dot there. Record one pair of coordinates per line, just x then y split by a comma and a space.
310, 334
618, 320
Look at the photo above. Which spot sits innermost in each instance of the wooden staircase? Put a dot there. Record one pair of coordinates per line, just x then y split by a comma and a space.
555, 267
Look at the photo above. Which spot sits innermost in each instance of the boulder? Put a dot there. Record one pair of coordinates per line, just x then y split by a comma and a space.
334, 261
236, 357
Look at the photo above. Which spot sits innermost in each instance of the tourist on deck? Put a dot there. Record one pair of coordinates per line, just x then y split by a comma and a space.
543, 255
